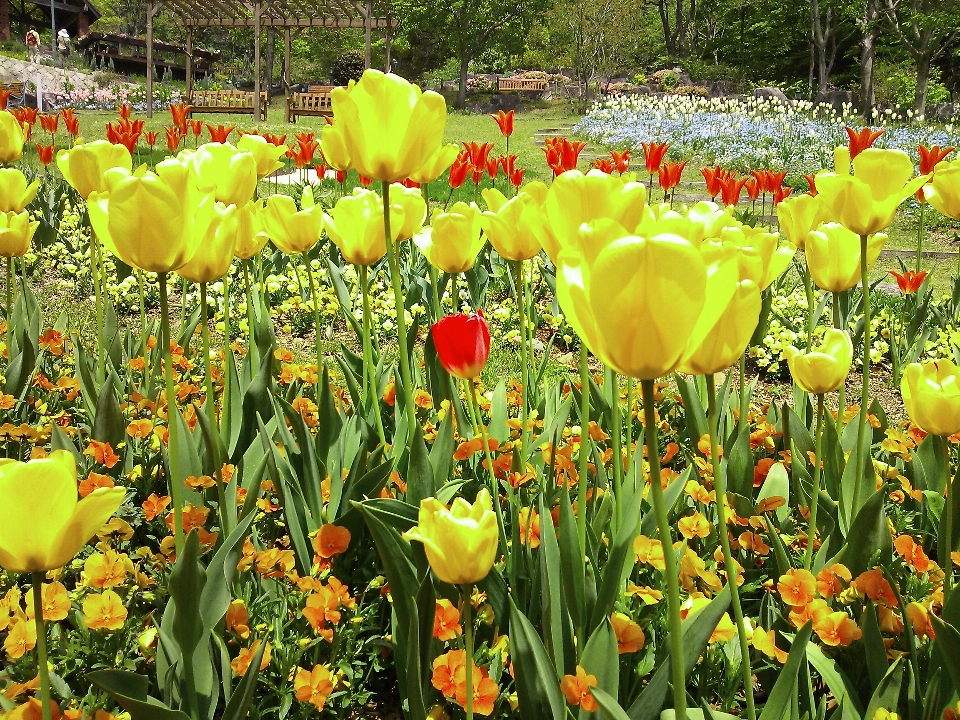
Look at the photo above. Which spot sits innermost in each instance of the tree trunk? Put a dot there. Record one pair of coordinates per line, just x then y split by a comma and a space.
462, 90
665, 22
694, 30
681, 30
867, 52
923, 81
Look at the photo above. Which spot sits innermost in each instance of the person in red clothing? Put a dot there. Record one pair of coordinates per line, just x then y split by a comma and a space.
33, 44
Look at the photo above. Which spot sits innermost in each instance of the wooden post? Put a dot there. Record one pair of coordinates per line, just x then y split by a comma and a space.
368, 27
149, 59
256, 62
386, 44
189, 50
286, 63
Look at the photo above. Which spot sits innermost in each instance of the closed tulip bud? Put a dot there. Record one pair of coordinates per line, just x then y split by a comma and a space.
152, 221
84, 165
460, 542
334, 148
825, 369
724, 342
931, 394
414, 211
943, 193
798, 216
15, 194
774, 258
462, 343
866, 201
266, 155
389, 127
42, 524
293, 232
704, 221
16, 232
250, 234
635, 301
453, 240
575, 199
833, 256
229, 173
436, 164
12, 138
215, 253
515, 226
355, 225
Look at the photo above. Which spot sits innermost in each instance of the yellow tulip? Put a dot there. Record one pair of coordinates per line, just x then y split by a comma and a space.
636, 301
866, 201
291, 231
15, 194
825, 369
436, 164
214, 256
334, 148
460, 542
774, 258
265, 154
931, 394
389, 127
42, 526
12, 138
16, 232
84, 165
152, 221
229, 173
833, 256
507, 223
414, 208
355, 225
454, 239
250, 234
944, 191
798, 216
707, 221
575, 199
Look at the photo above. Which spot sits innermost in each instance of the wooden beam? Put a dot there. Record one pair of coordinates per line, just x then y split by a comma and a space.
189, 68
286, 63
297, 22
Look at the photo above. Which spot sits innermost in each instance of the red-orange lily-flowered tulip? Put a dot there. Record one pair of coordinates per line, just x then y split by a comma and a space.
812, 182
179, 114
493, 167
174, 136
910, 281
562, 155
220, 133
516, 177
478, 153
653, 154
752, 186
151, 137
505, 121
621, 160
730, 189
71, 122
604, 165
196, 127
26, 116
365, 181
5, 98
669, 175
124, 111
508, 163
929, 157
459, 170
860, 141
713, 178
45, 153
781, 194
50, 122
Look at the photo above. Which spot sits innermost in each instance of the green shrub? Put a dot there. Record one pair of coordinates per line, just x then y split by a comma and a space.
896, 84
666, 79
348, 66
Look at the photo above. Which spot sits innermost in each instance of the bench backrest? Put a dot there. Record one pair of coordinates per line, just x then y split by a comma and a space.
521, 84
16, 88
320, 88
240, 99
314, 102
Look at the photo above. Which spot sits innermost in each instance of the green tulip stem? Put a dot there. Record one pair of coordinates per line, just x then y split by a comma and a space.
368, 356
669, 556
98, 301
730, 565
470, 391
9, 312
144, 337
865, 390
524, 366
401, 323
435, 291
210, 405
808, 292
468, 644
947, 559
629, 429
614, 385
920, 236
183, 303
842, 393
315, 301
744, 405
227, 355
583, 482
815, 499
42, 670
255, 358
173, 450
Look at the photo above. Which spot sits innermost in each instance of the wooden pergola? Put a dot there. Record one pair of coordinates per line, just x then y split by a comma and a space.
290, 15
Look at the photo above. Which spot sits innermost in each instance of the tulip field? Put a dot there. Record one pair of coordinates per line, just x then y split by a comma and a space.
260, 464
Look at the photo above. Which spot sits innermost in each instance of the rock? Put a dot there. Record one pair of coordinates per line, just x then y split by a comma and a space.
720, 88
943, 111
837, 99
770, 93
506, 102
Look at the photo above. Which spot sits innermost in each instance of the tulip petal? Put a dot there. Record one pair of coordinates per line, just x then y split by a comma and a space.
88, 516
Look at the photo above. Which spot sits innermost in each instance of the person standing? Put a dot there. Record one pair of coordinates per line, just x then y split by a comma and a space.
63, 45
33, 44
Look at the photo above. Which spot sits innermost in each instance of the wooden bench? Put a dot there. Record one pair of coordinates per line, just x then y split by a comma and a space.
227, 101
521, 85
317, 101
14, 94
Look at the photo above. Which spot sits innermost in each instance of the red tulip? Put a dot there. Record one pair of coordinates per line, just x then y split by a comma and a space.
930, 156
408, 183
730, 188
196, 127
781, 194
752, 186
604, 165
910, 281
365, 181
508, 163
50, 122
516, 177
4, 98
219, 133
26, 115
860, 141
653, 154
124, 111
493, 166
321, 171
669, 175
462, 343
129, 140
70, 122
341, 176
478, 153
45, 153
179, 114
174, 136
460, 169
505, 121
812, 182
621, 160
713, 178
151, 138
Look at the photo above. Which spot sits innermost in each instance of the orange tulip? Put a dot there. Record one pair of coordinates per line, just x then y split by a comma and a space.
505, 122
860, 141
653, 154
45, 153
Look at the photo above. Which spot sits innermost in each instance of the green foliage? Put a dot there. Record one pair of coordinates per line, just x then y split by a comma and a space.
896, 83
349, 66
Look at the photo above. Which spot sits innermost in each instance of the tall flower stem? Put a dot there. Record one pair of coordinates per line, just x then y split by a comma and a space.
468, 644
815, 499
629, 429
842, 393
42, 670
865, 390
399, 306
920, 236
368, 356
315, 301
744, 405
584, 482
947, 559
251, 342
435, 292
669, 557
173, 450
614, 385
524, 366
9, 310
227, 355
210, 404
98, 301
808, 291
144, 336
730, 565
480, 428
